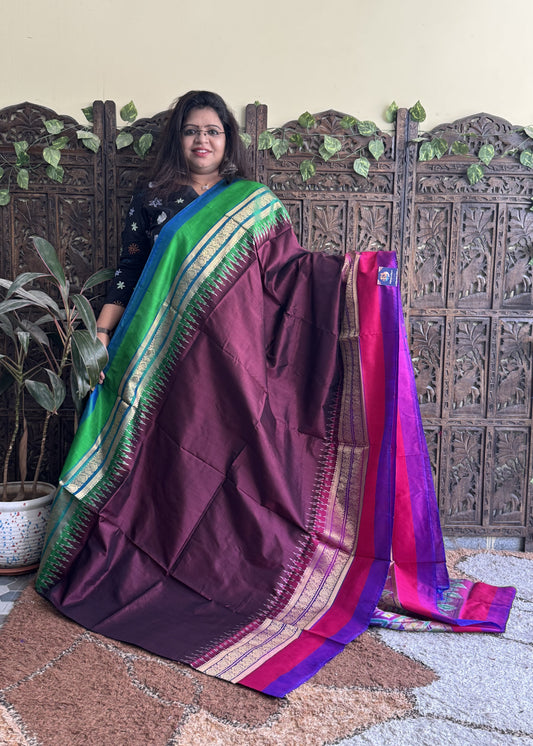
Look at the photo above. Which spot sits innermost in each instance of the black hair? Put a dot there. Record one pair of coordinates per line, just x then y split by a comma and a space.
170, 168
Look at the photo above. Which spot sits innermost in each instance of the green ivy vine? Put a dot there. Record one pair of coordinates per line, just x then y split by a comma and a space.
330, 145
430, 147
53, 141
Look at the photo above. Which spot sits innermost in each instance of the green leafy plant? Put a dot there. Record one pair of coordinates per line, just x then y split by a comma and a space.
44, 335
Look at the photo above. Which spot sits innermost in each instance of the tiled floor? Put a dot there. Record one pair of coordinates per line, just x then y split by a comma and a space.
11, 586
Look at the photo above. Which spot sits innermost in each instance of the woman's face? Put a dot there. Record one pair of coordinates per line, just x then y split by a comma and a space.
203, 141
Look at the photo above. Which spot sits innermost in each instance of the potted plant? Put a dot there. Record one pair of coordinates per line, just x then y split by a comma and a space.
44, 334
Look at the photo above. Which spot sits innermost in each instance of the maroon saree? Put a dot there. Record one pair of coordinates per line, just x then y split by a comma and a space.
229, 498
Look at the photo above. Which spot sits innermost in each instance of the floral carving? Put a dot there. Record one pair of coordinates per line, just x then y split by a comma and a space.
373, 229
327, 228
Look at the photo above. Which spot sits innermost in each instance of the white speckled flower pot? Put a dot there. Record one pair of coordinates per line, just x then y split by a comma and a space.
22, 529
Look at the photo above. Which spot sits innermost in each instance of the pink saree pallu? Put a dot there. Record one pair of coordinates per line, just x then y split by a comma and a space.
250, 488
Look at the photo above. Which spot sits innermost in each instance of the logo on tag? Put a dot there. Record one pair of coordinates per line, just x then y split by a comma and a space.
387, 275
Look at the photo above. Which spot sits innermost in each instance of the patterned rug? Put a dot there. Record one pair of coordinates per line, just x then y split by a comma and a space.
61, 685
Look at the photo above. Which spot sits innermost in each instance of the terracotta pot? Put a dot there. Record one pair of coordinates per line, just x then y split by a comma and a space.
22, 529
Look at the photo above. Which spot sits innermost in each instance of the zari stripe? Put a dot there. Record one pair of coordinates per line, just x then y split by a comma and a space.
197, 271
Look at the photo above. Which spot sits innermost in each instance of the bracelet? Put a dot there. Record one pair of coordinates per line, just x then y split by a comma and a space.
103, 330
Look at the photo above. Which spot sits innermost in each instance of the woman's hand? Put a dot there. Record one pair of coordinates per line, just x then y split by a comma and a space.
104, 335
106, 322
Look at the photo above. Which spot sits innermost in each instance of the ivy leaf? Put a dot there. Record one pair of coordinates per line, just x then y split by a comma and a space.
307, 169
475, 173
23, 178
377, 148
367, 128
1, 172
123, 140
23, 158
529, 130
459, 148
143, 144
54, 126
486, 154
296, 139
329, 147
246, 139
60, 143
128, 113
89, 139
391, 112
279, 148
361, 166
88, 114
21, 146
417, 112
440, 146
306, 120
526, 158
265, 140
52, 156
348, 122
55, 173
426, 152
5, 197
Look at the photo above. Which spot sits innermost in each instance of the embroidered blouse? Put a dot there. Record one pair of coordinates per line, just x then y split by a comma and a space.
147, 214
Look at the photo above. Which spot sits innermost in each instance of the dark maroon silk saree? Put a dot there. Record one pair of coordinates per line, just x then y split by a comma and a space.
255, 458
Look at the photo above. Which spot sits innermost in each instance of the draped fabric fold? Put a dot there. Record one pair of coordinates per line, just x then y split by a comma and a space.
255, 459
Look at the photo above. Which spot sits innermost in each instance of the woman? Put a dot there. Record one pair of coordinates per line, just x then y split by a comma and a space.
208, 148
241, 479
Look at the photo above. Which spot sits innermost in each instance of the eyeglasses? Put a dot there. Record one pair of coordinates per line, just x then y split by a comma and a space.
195, 132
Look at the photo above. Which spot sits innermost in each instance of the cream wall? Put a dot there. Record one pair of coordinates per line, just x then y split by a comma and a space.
458, 57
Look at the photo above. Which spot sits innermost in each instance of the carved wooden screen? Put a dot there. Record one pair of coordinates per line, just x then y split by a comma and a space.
466, 286
71, 215
464, 256
469, 313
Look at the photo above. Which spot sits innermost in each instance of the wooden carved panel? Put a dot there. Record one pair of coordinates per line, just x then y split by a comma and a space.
373, 227
473, 279
70, 214
327, 229
513, 382
463, 476
464, 253
427, 345
469, 370
508, 479
469, 307
518, 272
428, 279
